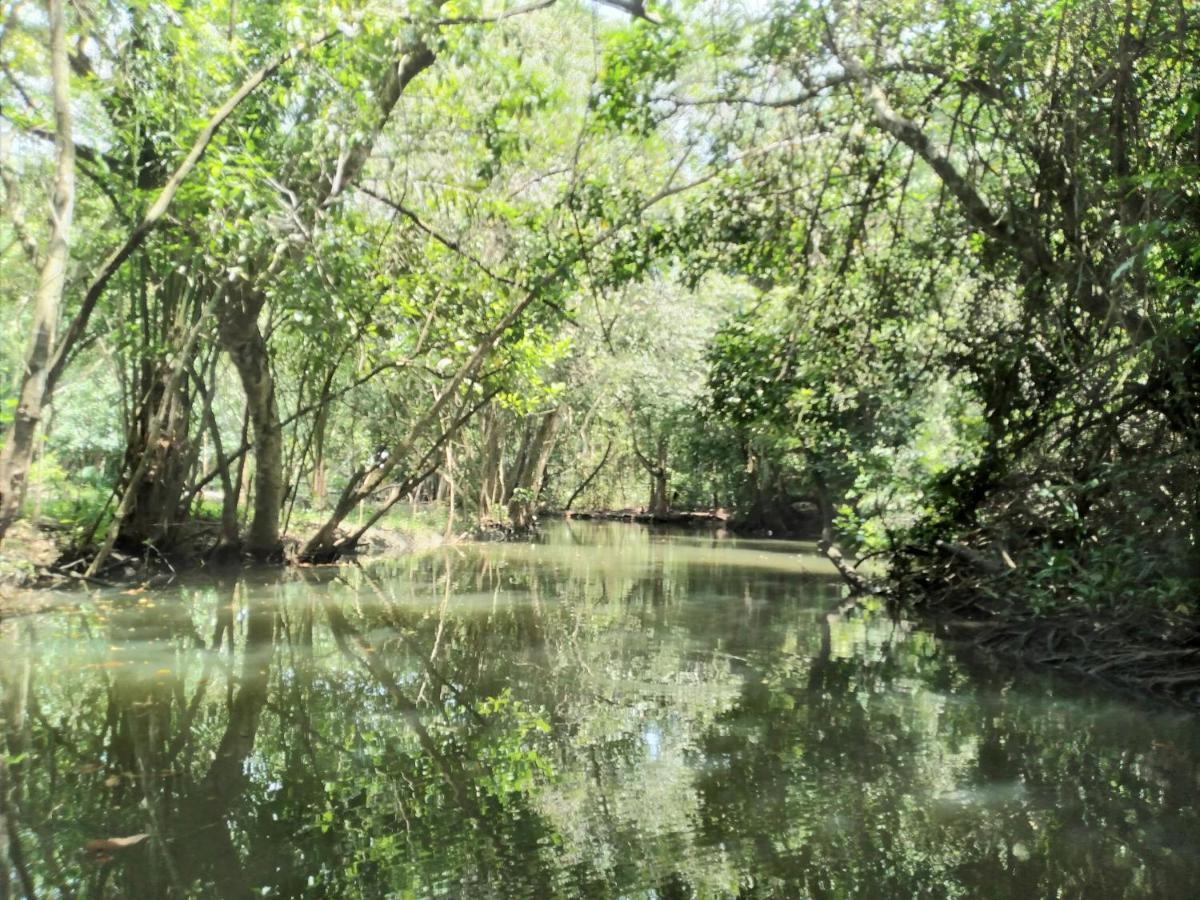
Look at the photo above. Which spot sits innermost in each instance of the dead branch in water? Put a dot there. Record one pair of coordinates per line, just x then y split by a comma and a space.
859, 584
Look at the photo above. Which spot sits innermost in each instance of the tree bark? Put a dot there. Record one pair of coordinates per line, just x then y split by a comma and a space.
229, 523
490, 463
660, 502
523, 504
35, 389
243, 340
144, 465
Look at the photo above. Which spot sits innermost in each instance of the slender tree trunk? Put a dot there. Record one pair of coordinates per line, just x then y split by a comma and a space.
524, 501
825, 502
584, 485
323, 544
319, 484
34, 394
229, 523
490, 463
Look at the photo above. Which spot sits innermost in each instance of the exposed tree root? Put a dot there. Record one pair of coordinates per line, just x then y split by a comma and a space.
1134, 648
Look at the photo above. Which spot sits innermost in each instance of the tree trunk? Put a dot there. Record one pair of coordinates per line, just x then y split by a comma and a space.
660, 504
160, 437
229, 523
523, 504
46, 360
490, 481
243, 340
322, 546
660, 476
164, 415
825, 502
34, 394
590, 478
516, 471
319, 483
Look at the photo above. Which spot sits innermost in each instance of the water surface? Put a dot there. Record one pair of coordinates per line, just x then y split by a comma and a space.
609, 712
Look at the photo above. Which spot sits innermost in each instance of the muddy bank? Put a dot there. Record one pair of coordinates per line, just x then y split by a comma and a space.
1112, 650
1134, 648
35, 559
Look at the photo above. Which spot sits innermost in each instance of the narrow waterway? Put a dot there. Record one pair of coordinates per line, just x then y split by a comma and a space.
608, 712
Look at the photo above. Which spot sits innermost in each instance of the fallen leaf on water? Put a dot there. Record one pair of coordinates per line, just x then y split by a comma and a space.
112, 781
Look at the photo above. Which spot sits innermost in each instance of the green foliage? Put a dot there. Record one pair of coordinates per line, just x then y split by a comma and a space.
906, 265
637, 63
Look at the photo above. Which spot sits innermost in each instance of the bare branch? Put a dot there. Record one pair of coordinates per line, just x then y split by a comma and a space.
909, 133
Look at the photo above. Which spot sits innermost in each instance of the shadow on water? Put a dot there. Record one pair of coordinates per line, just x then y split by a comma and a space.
608, 712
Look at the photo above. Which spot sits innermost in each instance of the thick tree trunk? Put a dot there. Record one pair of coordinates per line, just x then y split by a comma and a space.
660, 503
243, 340
660, 476
162, 417
166, 413
516, 469
161, 438
34, 394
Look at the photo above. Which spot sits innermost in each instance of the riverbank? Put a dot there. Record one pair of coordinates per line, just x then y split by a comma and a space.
39, 558
718, 517
960, 596
26, 556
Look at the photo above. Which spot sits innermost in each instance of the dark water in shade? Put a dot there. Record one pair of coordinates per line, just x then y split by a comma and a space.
607, 713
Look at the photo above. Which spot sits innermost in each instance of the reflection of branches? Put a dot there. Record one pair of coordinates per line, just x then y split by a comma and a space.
11, 854
154, 796
224, 624
431, 670
344, 634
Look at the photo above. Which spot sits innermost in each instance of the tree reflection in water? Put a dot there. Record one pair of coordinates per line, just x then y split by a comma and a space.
609, 712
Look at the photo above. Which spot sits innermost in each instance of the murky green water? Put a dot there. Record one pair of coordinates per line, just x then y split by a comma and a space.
608, 713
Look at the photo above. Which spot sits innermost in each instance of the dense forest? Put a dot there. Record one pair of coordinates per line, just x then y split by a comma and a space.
919, 278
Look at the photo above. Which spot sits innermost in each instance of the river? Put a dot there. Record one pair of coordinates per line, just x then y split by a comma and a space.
606, 712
